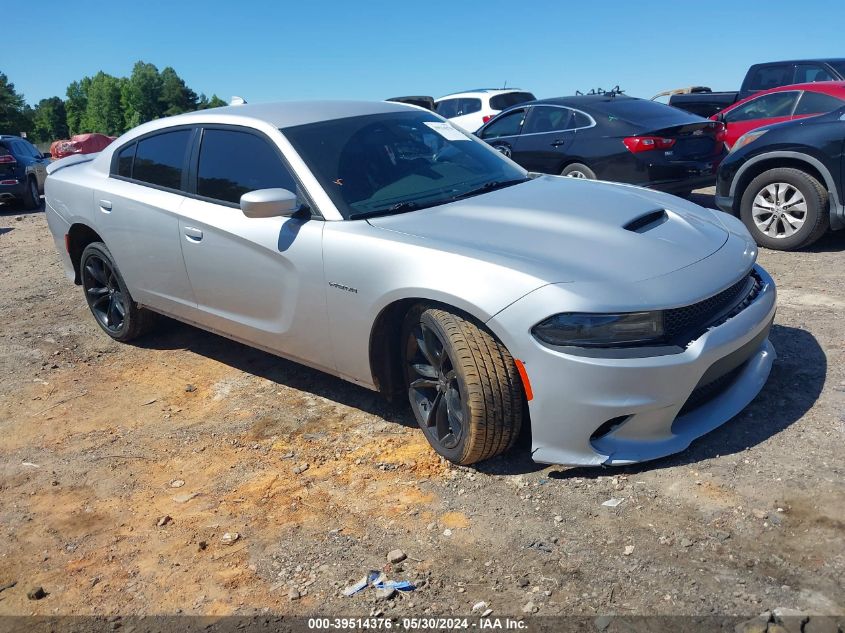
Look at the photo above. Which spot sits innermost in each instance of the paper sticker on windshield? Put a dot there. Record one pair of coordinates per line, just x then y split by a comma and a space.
446, 131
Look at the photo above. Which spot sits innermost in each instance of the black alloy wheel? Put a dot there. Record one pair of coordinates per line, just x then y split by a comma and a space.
104, 294
434, 389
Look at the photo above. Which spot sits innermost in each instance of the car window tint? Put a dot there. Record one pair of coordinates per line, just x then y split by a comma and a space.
510, 99
778, 104
579, 120
546, 119
447, 108
770, 76
506, 125
124, 160
232, 163
817, 103
160, 158
468, 106
808, 73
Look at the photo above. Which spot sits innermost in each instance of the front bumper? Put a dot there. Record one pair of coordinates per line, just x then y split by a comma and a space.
576, 396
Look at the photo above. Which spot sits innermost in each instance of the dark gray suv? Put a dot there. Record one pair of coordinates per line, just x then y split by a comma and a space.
23, 170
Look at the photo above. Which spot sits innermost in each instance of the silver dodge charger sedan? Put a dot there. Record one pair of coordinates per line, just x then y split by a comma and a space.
376, 242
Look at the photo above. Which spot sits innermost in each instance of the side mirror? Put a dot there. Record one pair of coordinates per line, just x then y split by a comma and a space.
46, 155
269, 203
720, 116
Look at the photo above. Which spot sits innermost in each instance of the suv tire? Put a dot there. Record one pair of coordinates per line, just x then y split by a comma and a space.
799, 209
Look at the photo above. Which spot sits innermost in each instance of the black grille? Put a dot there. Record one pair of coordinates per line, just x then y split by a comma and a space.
704, 394
690, 321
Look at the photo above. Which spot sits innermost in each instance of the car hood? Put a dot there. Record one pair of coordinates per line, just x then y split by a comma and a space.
565, 229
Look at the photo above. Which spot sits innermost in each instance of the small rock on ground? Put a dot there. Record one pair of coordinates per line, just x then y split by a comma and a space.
396, 556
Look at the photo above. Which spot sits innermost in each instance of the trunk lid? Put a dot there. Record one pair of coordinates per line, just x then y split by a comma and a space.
693, 141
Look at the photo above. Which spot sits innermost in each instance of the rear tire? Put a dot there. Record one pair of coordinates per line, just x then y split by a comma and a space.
31, 197
578, 170
463, 385
108, 297
785, 209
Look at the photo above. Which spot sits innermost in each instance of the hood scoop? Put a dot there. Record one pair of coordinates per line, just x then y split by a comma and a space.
647, 221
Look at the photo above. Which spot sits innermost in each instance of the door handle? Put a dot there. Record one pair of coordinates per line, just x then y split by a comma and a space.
558, 143
105, 206
193, 234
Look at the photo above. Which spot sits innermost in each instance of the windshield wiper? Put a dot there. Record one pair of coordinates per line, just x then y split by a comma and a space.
489, 186
399, 207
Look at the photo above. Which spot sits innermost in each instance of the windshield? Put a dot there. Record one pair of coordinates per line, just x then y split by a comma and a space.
395, 162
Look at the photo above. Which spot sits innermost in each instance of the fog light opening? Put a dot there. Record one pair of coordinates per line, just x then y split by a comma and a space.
608, 427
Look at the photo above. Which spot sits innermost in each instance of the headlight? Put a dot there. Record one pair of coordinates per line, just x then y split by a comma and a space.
600, 330
748, 137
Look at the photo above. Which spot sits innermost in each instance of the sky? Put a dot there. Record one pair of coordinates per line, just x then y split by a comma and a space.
331, 49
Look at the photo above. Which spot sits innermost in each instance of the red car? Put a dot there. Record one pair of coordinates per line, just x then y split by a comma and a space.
780, 104
80, 144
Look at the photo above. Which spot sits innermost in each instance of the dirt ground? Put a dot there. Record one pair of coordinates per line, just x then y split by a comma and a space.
122, 467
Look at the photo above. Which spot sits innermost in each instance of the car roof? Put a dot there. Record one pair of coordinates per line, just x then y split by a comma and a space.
475, 92
291, 113
819, 60
581, 100
832, 88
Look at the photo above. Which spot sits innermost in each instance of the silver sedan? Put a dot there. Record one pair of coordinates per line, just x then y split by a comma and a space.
376, 242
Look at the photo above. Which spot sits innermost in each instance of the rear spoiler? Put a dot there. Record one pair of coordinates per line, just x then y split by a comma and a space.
69, 161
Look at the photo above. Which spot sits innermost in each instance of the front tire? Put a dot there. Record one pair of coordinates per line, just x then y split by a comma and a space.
108, 297
578, 170
463, 385
785, 209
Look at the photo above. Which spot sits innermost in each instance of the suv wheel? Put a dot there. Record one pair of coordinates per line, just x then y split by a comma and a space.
32, 199
108, 298
785, 209
463, 385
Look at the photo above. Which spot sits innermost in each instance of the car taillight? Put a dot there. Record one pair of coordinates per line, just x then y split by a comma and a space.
7, 159
636, 144
487, 117
721, 132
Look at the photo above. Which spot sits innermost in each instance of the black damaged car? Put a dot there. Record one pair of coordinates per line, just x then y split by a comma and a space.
611, 137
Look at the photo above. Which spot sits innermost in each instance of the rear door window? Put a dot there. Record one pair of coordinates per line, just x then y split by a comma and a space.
547, 119
448, 108
232, 163
770, 76
506, 125
808, 73
778, 104
509, 99
817, 103
160, 159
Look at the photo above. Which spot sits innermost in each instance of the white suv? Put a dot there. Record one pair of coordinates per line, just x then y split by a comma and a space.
471, 109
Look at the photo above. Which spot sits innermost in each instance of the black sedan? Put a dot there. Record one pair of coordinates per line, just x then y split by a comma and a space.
787, 181
611, 137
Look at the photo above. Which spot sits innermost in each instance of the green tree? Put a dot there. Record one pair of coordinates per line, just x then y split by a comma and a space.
49, 120
104, 112
176, 97
203, 103
13, 118
77, 104
142, 95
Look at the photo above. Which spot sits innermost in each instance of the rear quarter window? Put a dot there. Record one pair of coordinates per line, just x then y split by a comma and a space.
505, 101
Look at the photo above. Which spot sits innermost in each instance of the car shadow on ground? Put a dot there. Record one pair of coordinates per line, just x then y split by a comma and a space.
170, 335
17, 208
796, 382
